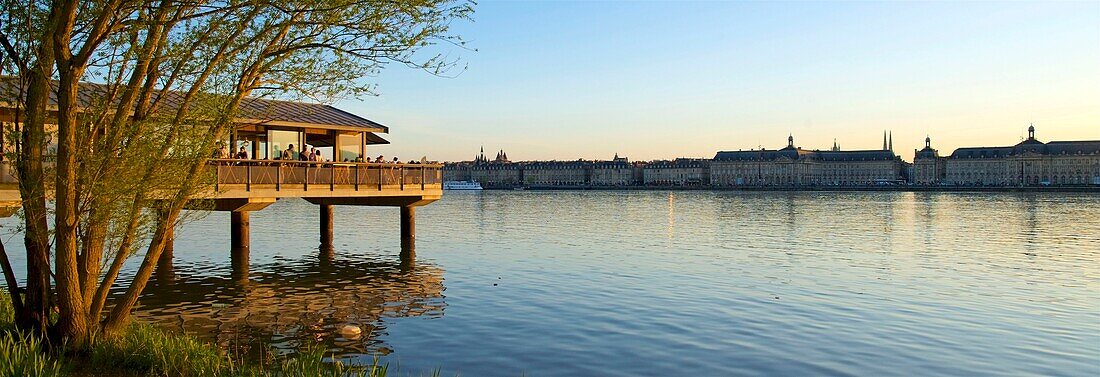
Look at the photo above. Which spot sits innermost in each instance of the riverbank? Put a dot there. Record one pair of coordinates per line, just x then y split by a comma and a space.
144, 350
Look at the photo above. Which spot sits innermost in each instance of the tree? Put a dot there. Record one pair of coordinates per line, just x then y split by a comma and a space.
170, 75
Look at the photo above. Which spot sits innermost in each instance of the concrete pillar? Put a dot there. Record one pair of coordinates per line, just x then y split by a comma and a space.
408, 255
408, 222
326, 226
239, 250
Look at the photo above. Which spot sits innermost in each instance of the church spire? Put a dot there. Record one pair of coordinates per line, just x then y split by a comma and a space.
884, 140
891, 140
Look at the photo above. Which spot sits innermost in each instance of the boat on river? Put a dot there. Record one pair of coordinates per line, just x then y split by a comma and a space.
461, 185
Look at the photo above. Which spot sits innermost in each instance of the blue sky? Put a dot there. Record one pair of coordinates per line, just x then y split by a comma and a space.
659, 80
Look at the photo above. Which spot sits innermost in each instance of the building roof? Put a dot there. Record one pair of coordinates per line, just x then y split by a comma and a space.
762, 155
557, 164
867, 155
679, 163
1031, 146
982, 152
252, 110
1074, 147
927, 152
802, 154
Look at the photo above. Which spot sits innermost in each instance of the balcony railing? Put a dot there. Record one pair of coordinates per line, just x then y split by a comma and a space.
309, 175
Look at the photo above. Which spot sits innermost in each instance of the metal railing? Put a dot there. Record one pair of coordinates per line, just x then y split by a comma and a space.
310, 175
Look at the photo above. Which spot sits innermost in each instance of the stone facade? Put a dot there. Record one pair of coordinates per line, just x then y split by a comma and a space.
928, 167
500, 172
556, 173
796, 167
678, 172
1029, 163
611, 173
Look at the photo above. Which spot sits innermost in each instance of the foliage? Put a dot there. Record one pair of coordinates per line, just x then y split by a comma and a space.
170, 77
24, 355
146, 350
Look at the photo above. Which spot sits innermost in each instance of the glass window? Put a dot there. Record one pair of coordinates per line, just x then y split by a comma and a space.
351, 146
280, 140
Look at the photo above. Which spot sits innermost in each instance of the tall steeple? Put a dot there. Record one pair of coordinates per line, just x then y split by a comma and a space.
891, 140
884, 140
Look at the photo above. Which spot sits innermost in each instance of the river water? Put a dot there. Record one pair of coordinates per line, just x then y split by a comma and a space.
626, 283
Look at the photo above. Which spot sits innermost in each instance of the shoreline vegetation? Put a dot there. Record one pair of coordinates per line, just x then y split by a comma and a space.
145, 350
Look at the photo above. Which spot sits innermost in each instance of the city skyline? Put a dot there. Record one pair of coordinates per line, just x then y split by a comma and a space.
887, 143
661, 80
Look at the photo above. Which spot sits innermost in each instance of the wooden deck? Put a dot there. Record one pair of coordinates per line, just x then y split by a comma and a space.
254, 184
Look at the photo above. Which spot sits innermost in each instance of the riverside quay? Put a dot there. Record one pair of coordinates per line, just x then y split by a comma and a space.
260, 171
1030, 163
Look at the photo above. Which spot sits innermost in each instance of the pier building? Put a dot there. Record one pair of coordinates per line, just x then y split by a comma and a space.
267, 127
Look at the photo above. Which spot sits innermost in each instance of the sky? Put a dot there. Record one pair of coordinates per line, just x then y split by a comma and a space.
661, 80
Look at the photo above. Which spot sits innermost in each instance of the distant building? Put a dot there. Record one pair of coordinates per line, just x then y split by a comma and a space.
1028, 163
796, 167
928, 167
790, 166
500, 172
617, 172
556, 173
678, 172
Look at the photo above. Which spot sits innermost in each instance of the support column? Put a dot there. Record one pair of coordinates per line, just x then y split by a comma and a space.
239, 250
326, 226
408, 255
408, 222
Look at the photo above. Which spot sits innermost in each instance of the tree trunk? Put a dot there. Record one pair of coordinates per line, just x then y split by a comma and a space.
70, 299
32, 189
9, 278
119, 316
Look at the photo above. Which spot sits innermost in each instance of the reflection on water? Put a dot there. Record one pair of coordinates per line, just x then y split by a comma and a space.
283, 305
691, 283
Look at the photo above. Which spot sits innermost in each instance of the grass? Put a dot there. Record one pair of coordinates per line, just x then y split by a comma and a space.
144, 350
24, 355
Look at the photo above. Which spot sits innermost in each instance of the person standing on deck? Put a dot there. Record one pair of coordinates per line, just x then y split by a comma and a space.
288, 153
304, 155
